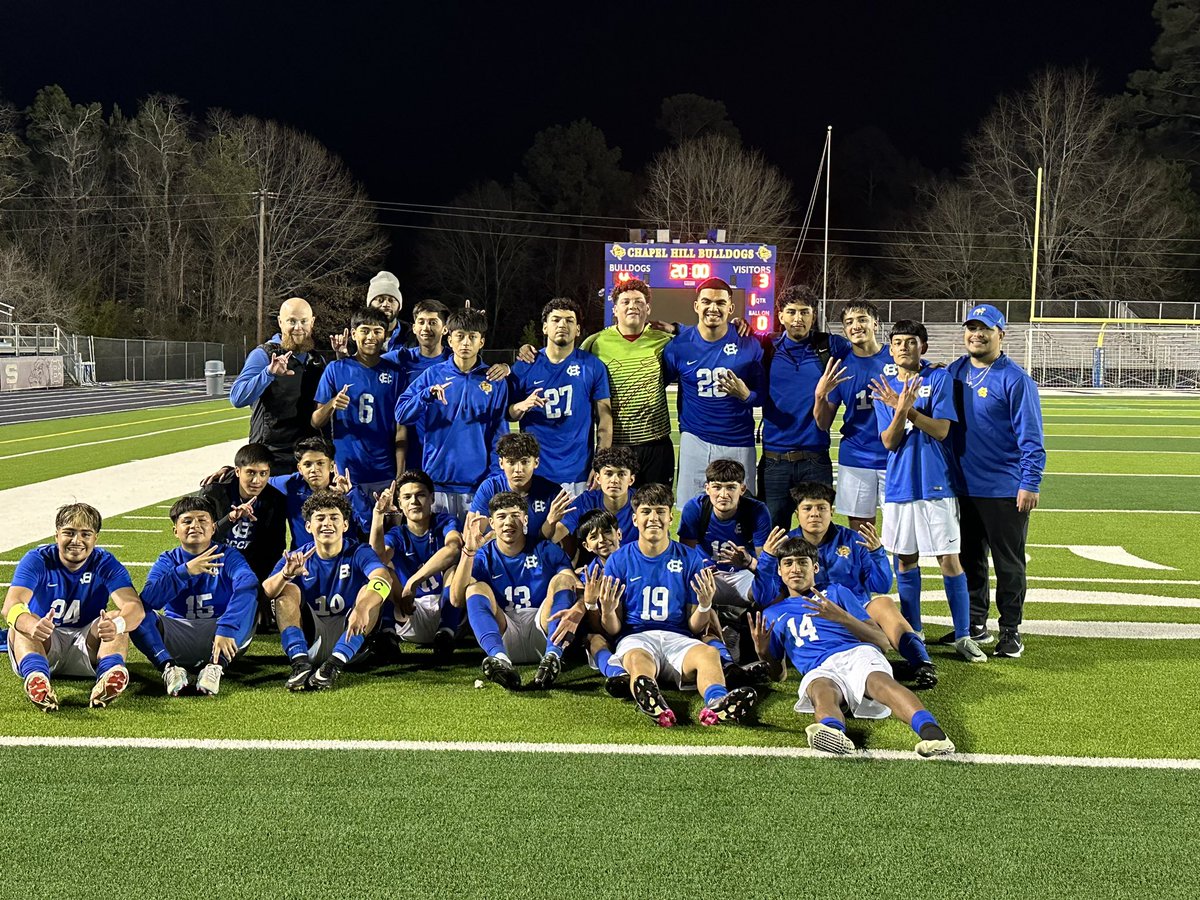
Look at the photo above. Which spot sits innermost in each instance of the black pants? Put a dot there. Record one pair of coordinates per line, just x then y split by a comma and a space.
995, 524
656, 463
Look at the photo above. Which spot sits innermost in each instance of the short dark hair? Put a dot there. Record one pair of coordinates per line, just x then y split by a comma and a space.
507, 500
796, 546
313, 444
633, 284
652, 495
368, 315
566, 304
858, 306
467, 320
414, 476
84, 513
517, 444
813, 490
714, 284
327, 499
797, 293
909, 328
725, 470
617, 458
193, 503
431, 306
253, 454
596, 520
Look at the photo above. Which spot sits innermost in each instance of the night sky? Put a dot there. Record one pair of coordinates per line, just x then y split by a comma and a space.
422, 99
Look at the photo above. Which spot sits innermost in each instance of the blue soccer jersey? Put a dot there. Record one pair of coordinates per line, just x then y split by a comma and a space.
521, 581
706, 411
658, 589
542, 492
295, 490
807, 640
77, 598
843, 559
563, 427
793, 372
364, 433
411, 551
919, 469
729, 531
414, 363
860, 446
331, 586
230, 596
594, 499
459, 436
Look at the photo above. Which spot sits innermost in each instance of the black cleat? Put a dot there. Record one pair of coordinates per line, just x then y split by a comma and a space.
749, 675
326, 677
301, 670
736, 706
650, 700
978, 633
502, 672
618, 686
924, 676
443, 645
547, 671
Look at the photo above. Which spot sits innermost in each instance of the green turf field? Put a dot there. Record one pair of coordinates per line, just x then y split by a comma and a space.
1118, 527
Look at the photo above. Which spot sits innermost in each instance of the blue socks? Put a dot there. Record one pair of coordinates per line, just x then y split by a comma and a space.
563, 600
912, 648
104, 663
346, 647
926, 726
834, 723
908, 585
452, 616
960, 603
726, 656
714, 693
293, 642
607, 668
33, 662
147, 639
484, 624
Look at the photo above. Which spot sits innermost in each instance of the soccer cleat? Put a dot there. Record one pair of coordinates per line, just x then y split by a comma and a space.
209, 680
978, 633
443, 645
547, 671
924, 676
301, 671
618, 686
649, 699
175, 678
927, 749
502, 672
40, 693
828, 740
753, 673
735, 706
1010, 644
109, 687
969, 650
327, 675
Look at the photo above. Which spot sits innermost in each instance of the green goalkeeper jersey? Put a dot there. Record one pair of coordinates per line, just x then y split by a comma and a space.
639, 396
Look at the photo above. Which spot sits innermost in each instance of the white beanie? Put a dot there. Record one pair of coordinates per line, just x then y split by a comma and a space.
384, 284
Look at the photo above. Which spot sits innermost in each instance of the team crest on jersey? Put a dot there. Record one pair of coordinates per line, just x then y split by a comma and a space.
729, 349
539, 506
86, 578
925, 390
737, 528
891, 370
675, 565
343, 571
486, 387
982, 392
385, 377
531, 561
843, 552
572, 370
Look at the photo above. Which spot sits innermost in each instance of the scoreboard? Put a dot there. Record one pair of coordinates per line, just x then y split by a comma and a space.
674, 270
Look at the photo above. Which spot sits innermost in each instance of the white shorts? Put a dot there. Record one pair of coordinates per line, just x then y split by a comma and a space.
190, 641
694, 457
859, 491
666, 648
424, 622
68, 655
524, 640
733, 586
455, 505
929, 527
849, 670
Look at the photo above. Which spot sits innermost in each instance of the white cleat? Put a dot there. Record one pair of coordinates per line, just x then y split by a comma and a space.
209, 680
928, 749
109, 687
828, 740
969, 650
175, 678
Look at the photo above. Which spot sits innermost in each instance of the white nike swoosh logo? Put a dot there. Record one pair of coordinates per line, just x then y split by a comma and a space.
539, 382
635, 578
691, 362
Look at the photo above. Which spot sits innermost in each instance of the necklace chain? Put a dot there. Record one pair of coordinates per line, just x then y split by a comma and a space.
976, 382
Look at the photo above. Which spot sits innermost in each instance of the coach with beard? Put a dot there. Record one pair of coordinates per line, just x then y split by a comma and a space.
280, 380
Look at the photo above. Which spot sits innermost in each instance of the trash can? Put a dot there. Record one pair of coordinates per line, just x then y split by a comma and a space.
214, 377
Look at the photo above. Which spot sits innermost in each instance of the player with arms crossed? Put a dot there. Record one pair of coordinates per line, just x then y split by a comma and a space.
207, 593
668, 594
830, 640
342, 585
58, 617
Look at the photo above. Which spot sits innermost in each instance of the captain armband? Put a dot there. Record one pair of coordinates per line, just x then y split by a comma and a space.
380, 586
16, 612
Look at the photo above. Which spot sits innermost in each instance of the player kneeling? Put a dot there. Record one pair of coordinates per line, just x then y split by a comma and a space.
519, 593
208, 596
599, 534
828, 637
668, 598
333, 585
56, 610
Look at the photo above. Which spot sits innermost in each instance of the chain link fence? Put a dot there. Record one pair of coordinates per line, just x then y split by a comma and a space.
120, 359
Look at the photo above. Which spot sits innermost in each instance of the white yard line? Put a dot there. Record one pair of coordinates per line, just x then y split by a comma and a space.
1145, 631
129, 437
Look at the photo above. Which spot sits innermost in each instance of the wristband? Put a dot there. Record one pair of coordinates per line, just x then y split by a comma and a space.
119, 623
381, 587
700, 608
592, 607
16, 612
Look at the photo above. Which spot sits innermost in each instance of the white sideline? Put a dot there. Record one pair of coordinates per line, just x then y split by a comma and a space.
1127, 631
1086, 762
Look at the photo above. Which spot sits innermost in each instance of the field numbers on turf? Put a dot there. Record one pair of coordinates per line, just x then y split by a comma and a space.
805, 631
655, 602
558, 401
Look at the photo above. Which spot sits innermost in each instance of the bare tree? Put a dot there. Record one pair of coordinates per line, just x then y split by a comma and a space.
33, 295
15, 175
714, 182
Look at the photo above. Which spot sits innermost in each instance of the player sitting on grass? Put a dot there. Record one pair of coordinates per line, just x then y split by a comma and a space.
314, 472
615, 469
829, 639
599, 535
423, 549
668, 598
57, 615
519, 457
518, 593
335, 586
858, 561
207, 592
